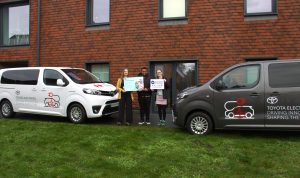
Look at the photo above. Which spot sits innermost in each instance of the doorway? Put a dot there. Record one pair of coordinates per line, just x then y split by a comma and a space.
179, 75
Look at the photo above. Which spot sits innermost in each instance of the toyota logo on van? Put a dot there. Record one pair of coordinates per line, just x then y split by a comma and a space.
272, 100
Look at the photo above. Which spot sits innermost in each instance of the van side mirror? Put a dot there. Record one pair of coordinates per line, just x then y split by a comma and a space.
60, 82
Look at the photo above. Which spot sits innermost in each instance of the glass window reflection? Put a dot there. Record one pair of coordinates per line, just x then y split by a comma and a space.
174, 8
186, 75
100, 11
257, 6
15, 21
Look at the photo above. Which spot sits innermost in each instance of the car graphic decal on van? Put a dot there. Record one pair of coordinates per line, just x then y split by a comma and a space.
238, 109
52, 100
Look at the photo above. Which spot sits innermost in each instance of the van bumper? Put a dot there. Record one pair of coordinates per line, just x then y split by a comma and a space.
110, 107
97, 107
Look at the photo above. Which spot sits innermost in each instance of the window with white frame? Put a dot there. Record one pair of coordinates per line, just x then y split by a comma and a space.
260, 7
98, 12
173, 9
14, 24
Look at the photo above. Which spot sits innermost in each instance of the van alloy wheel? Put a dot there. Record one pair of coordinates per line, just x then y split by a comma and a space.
7, 109
199, 123
76, 113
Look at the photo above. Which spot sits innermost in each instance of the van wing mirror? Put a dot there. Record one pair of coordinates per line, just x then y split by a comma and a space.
60, 82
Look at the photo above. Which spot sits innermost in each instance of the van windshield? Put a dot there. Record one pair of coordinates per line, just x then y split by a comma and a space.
81, 76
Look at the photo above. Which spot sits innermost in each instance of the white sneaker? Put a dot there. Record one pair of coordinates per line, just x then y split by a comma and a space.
141, 123
148, 123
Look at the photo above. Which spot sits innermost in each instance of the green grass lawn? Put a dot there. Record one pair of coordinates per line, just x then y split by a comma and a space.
60, 149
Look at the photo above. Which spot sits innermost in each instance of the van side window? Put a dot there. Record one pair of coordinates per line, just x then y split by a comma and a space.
20, 77
51, 76
282, 75
240, 78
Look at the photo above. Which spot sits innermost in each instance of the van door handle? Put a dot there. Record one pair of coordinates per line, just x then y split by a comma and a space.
254, 94
275, 93
34, 89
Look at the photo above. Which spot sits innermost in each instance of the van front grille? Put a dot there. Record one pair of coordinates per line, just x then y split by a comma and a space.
108, 93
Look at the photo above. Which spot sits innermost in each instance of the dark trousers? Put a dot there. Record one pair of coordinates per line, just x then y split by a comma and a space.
144, 102
162, 111
125, 106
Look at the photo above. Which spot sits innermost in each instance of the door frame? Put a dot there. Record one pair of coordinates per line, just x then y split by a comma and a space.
174, 66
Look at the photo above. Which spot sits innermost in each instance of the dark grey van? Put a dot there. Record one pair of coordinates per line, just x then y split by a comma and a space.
256, 95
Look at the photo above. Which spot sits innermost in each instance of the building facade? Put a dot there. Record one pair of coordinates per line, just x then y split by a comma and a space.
190, 40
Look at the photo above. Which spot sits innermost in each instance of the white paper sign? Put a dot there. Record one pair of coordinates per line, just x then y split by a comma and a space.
157, 84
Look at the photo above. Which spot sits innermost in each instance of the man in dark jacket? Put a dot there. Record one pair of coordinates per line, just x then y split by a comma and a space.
144, 97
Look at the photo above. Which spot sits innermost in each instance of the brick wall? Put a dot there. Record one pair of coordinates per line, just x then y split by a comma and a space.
216, 34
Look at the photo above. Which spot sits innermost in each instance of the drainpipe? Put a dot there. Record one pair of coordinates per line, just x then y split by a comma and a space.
38, 60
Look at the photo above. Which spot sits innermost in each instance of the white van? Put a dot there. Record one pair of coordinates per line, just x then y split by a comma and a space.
58, 91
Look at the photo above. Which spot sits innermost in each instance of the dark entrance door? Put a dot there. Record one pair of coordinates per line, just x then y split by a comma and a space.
180, 75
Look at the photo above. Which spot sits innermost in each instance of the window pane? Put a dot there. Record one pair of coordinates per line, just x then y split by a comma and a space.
100, 11
185, 75
16, 25
259, 6
101, 71
173, 8
242, 77
21, 77
81, 76
284, 75
51, 76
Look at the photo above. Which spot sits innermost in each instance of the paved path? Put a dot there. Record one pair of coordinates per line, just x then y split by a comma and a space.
154, 119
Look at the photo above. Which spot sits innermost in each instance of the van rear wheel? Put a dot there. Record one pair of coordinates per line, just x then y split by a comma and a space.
199, 123
76, 113
7, 110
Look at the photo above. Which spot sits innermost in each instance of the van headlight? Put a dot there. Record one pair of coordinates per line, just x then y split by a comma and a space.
91, 91
182, 95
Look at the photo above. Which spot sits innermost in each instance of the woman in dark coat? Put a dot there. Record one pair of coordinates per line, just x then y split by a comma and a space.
161, 99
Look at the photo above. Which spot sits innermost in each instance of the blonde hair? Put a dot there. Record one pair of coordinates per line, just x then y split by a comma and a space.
122, 75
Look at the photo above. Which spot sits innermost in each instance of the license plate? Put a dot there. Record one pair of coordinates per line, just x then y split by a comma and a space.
114, 105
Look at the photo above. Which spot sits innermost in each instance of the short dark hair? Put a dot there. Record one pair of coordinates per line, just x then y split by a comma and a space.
144, 68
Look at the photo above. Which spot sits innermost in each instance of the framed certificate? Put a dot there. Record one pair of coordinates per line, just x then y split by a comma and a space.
157, 84
133, 83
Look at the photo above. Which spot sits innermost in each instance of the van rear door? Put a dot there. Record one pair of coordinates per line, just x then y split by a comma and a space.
23, 82
283, 95
239, 97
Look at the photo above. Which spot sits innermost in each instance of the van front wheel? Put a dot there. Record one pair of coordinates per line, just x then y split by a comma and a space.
199, 123
76, 113
7, 110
